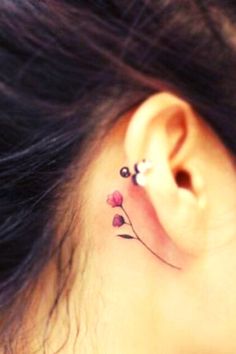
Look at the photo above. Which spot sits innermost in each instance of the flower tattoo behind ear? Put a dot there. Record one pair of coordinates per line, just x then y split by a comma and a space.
115, 200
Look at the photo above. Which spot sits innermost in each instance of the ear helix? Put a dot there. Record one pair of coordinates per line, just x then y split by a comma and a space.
140, 170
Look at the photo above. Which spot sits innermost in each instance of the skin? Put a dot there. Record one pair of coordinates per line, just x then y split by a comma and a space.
128, 300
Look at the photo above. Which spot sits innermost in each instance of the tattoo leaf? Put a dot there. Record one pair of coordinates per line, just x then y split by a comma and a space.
125, 236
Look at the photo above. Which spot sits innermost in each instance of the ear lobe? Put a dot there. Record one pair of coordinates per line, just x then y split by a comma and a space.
164, 130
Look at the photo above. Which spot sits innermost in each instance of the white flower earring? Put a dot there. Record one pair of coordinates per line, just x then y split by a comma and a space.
140, 168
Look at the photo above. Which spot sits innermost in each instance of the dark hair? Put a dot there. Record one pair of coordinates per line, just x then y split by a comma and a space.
69, 69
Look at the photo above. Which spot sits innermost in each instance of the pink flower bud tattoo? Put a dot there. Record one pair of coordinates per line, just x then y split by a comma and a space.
118, 220
115, 200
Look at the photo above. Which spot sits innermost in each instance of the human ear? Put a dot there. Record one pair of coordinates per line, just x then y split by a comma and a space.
185, 154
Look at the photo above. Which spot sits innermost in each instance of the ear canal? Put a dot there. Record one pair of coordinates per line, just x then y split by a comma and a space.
183, 179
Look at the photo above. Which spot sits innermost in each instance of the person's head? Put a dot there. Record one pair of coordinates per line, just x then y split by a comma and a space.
90, 261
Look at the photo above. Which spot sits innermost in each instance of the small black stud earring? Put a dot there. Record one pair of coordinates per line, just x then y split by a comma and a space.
124, 172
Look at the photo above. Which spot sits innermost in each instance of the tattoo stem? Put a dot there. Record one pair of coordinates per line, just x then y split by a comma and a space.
143, 243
